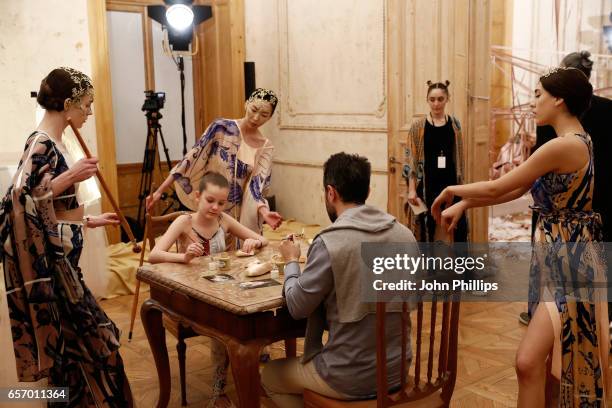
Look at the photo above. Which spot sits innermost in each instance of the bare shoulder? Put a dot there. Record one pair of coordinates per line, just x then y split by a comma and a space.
183, 220
559, 145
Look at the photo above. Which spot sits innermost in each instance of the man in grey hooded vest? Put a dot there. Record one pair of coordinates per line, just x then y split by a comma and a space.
328, 293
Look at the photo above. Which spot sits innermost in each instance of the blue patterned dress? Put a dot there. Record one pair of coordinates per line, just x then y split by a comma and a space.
566, 263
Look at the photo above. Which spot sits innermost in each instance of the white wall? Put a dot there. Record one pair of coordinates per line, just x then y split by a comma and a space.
167, 79
37, 36
126, 56
128, 86
326, 61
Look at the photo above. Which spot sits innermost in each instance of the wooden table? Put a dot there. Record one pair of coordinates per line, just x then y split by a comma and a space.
244, 320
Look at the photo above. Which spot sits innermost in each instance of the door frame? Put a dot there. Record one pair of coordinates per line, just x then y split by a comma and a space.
472, 100
232, 26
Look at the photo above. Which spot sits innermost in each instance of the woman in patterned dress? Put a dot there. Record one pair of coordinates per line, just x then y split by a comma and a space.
59, 331
569, 327
237, 150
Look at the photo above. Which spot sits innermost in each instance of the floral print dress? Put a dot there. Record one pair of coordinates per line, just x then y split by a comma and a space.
566, 270
59, 330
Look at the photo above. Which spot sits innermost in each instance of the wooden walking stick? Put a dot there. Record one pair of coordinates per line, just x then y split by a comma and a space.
135, 247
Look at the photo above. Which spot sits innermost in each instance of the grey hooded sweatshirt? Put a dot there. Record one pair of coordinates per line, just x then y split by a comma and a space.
328, 292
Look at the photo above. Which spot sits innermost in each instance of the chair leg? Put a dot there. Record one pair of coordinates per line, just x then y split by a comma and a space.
134, 307
181, 347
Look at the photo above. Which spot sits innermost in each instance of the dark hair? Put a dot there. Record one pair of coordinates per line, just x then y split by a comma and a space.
264, 94
579, 60
214, 178
438, 85
350, 175
572, 85
61, 84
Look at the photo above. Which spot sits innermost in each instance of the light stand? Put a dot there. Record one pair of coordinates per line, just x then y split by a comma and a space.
181, 67
179, 39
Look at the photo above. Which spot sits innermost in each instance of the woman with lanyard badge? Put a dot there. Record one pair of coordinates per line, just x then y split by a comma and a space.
434, 160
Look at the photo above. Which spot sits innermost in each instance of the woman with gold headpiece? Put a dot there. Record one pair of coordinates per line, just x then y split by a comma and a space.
59, 331
238, 150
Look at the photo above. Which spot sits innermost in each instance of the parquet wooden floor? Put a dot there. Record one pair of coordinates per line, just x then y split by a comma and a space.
489, 335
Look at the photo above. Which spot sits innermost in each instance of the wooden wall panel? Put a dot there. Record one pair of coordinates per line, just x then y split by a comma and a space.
348, 94
219, 90
478, 129
103, 104
128, 177
438, 40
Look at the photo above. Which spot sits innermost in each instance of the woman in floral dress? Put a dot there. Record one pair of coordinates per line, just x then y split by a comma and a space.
569, 327
59, 331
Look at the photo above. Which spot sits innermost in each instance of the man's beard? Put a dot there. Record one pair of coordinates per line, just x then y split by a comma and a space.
331, 212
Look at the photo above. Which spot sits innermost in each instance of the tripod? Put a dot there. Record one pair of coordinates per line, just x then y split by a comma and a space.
151, 156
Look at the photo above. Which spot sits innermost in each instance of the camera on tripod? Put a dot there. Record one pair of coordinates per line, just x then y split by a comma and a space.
154, 101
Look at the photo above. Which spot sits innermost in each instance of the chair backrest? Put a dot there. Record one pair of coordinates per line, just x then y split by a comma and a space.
157, 225
444, 347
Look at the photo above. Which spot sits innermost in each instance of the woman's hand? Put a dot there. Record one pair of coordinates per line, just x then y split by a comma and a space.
413, 198
83, 169
452, 215
444, 200
102, 220
251, 244
193, 251
152, 199
272, 218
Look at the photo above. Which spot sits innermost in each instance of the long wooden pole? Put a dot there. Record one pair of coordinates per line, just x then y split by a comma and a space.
135, 247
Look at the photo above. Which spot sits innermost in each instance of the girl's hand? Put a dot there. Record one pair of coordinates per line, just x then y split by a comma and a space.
193, 251
102, 220
452, 215
444, 200
250, 245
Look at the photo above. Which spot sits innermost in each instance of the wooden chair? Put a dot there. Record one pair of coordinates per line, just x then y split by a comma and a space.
417, 390
154, 227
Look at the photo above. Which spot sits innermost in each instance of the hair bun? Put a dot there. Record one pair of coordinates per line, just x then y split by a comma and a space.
429, 82
447, 82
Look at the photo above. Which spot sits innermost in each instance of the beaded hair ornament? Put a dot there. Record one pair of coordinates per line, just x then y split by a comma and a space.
554, 70
82, 84
264, 95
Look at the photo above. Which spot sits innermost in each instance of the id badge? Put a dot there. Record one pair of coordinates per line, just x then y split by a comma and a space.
441, 162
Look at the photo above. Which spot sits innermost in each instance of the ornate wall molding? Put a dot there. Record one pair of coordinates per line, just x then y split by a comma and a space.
302, 98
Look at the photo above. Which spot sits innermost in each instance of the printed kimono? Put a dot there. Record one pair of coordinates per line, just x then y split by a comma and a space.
219, 150
414, 161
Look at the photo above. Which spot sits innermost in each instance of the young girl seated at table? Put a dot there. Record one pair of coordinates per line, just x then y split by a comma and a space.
203, 232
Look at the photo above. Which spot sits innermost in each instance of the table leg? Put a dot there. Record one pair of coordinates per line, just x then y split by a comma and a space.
290, 348
244, 359
151, 317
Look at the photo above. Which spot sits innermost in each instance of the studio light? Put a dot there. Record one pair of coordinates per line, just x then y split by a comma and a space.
179, 16
179, 19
